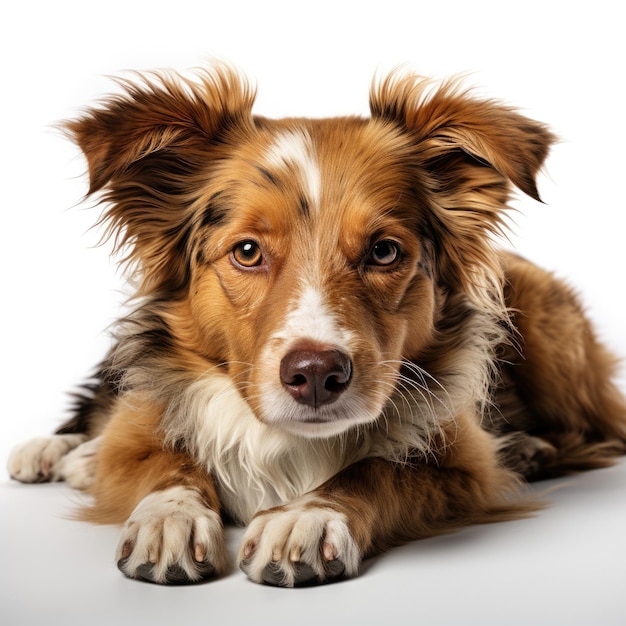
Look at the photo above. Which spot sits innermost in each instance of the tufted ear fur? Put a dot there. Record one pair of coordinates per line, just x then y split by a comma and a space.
468, 152
148, 151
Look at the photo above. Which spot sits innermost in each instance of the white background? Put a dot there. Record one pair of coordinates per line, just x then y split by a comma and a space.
560, 62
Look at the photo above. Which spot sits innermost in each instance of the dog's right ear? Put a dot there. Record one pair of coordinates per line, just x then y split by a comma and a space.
150, 150
159, 111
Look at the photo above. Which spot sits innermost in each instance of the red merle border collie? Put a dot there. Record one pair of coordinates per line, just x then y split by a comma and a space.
325, 344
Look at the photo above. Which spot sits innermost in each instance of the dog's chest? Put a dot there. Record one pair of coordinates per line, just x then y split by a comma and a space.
261, 478
255, 466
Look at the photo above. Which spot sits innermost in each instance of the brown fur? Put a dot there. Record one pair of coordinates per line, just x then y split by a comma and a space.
484, 366
133, 448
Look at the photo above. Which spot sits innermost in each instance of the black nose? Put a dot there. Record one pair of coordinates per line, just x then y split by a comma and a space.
315, 377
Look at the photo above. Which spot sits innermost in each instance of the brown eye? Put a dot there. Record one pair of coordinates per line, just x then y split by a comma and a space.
247, 254
384, 253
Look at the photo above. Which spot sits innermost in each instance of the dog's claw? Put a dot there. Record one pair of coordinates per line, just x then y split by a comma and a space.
303, 574
175, 574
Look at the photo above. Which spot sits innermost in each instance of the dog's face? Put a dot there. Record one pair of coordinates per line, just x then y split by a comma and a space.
308, 258
313, 277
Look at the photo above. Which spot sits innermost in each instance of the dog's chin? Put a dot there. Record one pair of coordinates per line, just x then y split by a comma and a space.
315, 430
323, 423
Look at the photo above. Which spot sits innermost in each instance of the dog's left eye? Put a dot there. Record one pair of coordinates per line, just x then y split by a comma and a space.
384, 253
247, 254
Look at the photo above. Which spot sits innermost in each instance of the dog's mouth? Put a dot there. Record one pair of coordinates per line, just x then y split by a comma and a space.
312, 427
318, 401
318, 395
316, 382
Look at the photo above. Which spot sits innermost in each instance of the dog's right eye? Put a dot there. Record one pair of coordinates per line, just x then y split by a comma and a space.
247, 254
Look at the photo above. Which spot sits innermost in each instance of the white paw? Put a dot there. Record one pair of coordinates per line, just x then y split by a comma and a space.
78, 467
37, 460
304, 542
172, 537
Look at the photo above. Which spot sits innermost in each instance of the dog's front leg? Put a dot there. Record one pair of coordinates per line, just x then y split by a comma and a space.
172, 530
377, 503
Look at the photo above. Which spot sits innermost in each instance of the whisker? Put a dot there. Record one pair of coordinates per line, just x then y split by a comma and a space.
419, 384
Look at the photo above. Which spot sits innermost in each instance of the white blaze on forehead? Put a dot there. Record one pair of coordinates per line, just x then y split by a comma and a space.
295, 149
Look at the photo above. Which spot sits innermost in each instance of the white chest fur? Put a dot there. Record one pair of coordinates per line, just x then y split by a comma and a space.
255, 466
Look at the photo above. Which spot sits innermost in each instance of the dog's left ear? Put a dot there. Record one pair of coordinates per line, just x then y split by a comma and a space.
467, 152
446, 119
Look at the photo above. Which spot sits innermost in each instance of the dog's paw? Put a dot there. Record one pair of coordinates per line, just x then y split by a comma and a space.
38, 460
78, 467
303, 543
172, 537
531, 457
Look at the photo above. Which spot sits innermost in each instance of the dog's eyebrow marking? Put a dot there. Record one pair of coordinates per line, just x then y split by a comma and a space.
304, 207
214, 213
294, 149
269, 176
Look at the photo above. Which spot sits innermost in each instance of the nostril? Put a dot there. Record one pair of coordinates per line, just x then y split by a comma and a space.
336, 384
297, 381
315, 377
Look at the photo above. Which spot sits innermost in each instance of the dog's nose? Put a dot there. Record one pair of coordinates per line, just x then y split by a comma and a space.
315, 377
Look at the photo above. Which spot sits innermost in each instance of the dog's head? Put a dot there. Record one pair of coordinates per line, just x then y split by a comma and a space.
309, 258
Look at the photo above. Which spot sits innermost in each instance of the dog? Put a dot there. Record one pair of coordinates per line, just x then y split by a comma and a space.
325, 342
